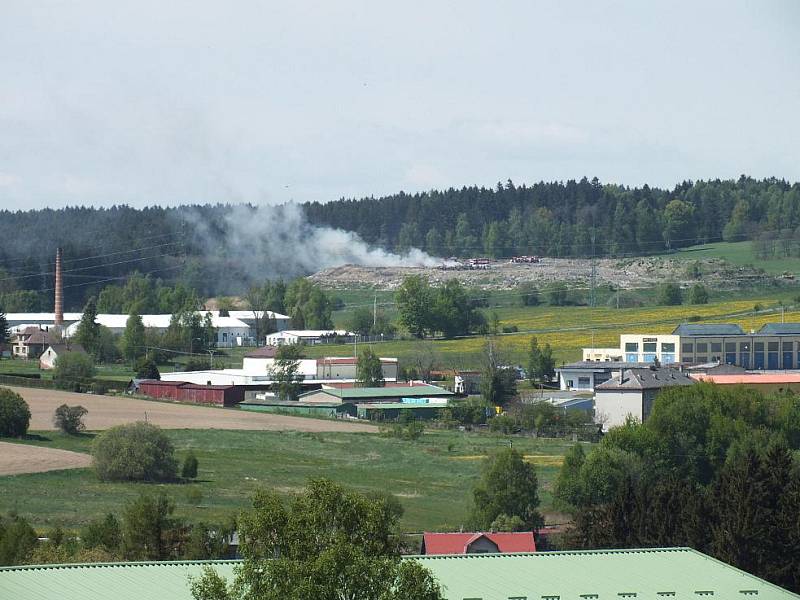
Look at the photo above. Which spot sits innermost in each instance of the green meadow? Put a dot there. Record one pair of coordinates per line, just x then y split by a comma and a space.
432, 476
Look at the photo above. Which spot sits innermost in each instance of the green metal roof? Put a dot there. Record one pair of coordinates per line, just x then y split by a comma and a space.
117, 581
675, 573
382, 392
395, 405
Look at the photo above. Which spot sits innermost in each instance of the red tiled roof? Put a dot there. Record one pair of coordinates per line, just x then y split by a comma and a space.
749, 378
458, 543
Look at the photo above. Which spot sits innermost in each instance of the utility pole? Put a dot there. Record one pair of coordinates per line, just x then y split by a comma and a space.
594, 271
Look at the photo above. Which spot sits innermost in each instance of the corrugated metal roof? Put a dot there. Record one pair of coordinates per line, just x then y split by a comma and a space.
382, 392
749, 378
703, 329
677, 573
121, 581
458, 543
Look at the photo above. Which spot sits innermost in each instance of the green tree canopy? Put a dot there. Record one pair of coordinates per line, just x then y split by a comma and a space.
509, 487
369, 372
329, 543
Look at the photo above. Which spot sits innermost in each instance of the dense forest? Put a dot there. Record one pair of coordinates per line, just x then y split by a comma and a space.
563, 219
202, 247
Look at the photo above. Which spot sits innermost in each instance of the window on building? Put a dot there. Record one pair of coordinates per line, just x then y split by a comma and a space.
730, 346
631, 358
584, 382
758, 346
772, 346
702, 347
758, 359
702, 359
772, 361
668, 358
730, 358
649, 357
631, 347
687, 348
650, 346
570, 383
716, 347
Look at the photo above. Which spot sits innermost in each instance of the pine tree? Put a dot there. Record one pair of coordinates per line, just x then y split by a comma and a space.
133, 338
88, 333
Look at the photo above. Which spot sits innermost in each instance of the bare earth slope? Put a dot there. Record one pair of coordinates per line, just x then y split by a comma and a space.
21, 458
107, 411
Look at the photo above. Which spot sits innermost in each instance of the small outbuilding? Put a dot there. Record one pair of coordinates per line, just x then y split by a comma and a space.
47, 361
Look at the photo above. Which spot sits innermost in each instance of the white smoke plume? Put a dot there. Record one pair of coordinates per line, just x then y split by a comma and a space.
270, 241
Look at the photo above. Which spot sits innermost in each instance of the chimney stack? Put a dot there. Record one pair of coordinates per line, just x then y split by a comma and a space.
59, 300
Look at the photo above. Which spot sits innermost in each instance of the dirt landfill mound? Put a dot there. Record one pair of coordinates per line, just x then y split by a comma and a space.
503, 274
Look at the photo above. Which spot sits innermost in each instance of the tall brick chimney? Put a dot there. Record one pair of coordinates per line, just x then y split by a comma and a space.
59, 301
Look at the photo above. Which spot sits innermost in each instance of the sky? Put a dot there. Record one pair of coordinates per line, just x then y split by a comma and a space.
177, 102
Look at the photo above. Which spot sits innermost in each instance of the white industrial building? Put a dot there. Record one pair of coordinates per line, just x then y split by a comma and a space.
307, 336
259, 365
231, 331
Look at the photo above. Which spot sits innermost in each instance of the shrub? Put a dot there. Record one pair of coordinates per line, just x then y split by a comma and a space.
69, 419
510, 328
15, 416
698, 294
134, 452
669, 294
73, 368
189, 469
146, 368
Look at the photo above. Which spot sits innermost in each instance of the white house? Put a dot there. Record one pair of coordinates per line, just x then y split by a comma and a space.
47, 360
632, 392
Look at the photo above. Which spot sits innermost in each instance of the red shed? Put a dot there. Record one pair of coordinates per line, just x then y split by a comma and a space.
221, 395
160, 389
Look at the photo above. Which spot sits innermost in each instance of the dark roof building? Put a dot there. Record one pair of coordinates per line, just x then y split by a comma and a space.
707, 329
632, 393
780, 329
652, 378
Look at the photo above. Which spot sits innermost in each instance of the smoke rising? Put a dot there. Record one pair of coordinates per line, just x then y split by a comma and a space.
278, 241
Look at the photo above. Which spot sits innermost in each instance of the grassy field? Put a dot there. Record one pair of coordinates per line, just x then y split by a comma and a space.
739, 253
432, 476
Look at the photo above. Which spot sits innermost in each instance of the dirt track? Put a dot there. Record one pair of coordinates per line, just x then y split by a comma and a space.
21, 458
107, 411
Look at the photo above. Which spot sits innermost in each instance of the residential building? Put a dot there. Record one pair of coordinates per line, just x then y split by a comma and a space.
31, 342
584, 376
477, 543
632, 392
47, 360
674, 573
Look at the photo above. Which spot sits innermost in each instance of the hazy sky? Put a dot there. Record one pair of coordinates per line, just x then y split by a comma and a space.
175, 102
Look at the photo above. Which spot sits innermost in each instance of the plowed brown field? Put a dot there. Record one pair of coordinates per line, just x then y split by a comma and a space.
107, 411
